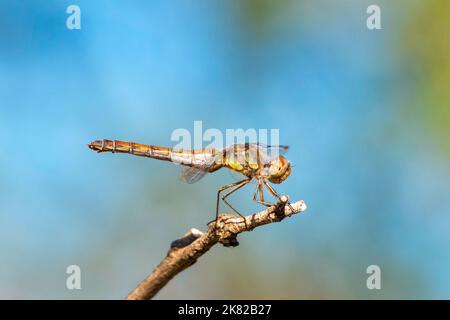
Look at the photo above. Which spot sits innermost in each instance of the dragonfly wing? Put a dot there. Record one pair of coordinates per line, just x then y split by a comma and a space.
274, 151
192, 174
270, 152
250, 152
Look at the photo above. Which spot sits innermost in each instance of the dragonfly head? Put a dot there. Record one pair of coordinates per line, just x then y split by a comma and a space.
279, 169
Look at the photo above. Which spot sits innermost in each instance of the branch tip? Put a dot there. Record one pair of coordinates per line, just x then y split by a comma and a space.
185, 251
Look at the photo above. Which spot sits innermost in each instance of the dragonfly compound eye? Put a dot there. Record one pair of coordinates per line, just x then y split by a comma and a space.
279, 170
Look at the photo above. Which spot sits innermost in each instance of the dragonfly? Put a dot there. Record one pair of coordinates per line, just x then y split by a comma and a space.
258, 162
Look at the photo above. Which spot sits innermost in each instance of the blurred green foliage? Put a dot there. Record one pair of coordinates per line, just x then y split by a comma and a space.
427, 42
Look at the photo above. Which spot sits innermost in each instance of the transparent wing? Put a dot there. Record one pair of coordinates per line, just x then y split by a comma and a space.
243, 153
269, 152
273, 151
192, 174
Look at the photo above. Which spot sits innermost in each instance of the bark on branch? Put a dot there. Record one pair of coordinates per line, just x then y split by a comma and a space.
185, 251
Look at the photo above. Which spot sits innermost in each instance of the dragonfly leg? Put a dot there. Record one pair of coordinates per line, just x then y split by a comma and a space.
275, 194
259, 190
237, 187
218, 196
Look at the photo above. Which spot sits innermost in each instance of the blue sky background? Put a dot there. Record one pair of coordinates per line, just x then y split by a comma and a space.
374, 176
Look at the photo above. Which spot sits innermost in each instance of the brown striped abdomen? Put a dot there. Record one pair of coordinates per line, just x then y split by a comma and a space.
192, 158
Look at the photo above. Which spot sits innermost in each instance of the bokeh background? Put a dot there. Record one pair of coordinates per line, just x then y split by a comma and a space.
365, 112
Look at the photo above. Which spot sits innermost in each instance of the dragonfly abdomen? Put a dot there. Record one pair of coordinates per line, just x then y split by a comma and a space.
193, 158
137, 149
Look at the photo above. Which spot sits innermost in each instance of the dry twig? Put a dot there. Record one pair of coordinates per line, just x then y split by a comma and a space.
184, 252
